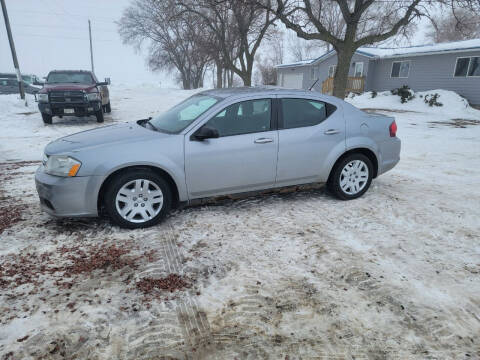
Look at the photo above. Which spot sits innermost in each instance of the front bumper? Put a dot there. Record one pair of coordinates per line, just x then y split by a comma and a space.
68, 196
65, 109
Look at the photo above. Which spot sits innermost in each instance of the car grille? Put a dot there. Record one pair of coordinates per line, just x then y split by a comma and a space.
69, 97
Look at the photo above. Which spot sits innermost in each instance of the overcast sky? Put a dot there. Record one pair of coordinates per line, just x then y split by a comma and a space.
53, 34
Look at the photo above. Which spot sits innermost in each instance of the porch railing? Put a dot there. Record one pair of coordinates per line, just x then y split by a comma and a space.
354, 84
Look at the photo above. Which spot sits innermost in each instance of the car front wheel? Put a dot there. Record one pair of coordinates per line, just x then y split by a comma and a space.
351, 177
138, 199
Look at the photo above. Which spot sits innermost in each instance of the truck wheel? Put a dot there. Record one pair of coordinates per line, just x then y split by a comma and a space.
138, 199
47, 119
99, 115
108, 108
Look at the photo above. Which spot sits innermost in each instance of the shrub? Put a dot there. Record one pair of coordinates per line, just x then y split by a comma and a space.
374, 94
404, 92
431, 100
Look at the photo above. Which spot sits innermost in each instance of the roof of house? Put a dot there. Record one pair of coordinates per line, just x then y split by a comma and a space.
384, 53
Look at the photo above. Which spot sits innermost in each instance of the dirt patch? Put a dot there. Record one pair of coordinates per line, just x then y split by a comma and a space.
170, 283
65, 265
457, 123
10, 215
27, 113
17, 164
373, 110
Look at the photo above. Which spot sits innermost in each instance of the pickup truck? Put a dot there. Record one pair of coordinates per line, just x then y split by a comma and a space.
74, 93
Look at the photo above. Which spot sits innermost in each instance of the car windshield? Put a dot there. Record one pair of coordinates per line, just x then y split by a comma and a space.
180, 116
69, 77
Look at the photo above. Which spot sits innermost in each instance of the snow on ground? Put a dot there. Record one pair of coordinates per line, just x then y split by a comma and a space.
26, 135
392, 275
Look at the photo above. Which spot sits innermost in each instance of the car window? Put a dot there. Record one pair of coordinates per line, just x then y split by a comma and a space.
303, 112
180, 116
69, 77
243, 118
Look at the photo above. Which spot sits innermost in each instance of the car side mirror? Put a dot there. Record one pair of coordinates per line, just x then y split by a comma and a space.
107, 80
204, 133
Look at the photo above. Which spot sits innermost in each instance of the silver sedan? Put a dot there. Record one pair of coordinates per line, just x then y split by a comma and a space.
214, 143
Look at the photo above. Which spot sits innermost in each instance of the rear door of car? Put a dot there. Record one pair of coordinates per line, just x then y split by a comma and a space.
243, 158
309, 132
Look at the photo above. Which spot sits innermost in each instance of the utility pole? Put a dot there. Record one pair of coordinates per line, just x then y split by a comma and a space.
91, 50
14, 53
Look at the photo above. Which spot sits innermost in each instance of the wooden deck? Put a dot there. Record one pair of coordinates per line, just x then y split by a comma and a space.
354, 84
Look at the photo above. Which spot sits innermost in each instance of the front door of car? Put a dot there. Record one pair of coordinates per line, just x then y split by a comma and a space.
310, 132
243, 157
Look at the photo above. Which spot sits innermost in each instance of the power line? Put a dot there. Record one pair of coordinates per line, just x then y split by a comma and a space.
68, 15
62, 37
61, 27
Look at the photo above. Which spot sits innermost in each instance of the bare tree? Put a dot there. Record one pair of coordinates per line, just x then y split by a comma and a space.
365, 22
175, 40
454, 26
301, 49
272, 53
239, 27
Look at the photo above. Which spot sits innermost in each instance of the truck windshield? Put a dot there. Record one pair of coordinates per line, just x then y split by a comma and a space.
180, 116
69, 77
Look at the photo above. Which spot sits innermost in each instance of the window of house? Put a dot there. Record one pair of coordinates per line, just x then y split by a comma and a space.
400, 69
474, 68
467, 66
296, 113
243, 118
331, 70
358, 69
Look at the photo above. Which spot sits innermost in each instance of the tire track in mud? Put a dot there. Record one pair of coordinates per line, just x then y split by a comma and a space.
433, 325
180, 331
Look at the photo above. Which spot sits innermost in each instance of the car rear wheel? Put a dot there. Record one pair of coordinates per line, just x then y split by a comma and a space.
351, 177
99, 115
138, 199
108, 108
47, 119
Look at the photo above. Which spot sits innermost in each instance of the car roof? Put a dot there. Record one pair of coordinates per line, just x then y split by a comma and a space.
72, 71
267, 90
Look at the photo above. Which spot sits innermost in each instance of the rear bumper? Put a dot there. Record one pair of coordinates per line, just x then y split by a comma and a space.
79, 109
390, 151
67, 196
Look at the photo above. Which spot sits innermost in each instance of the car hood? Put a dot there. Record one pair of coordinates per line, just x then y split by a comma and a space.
126, 133
67, 87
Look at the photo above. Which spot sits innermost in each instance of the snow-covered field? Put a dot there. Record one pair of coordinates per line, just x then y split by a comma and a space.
392, 275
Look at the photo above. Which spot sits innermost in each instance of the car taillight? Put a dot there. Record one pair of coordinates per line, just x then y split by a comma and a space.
393, 129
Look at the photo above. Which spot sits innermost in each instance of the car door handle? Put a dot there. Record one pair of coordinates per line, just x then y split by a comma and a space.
263, 140
331, 132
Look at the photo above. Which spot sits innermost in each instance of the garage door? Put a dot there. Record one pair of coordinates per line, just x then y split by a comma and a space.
293, 81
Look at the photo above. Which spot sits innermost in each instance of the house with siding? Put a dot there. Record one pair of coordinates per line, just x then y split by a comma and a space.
451, 66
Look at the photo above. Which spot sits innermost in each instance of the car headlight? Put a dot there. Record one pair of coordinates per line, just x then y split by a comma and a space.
93, 96
42, 97
62, 165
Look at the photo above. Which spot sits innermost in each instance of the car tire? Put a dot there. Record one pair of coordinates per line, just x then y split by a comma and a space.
108, 108
127, 209
99, 115
47, 119
351, 177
